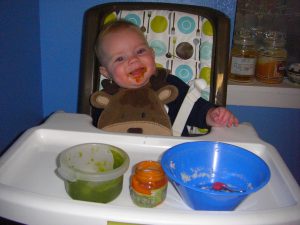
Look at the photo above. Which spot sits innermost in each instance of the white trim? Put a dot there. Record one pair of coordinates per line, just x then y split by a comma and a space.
285, 95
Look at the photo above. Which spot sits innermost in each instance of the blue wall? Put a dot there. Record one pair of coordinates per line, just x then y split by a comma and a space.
20, 66
279, 127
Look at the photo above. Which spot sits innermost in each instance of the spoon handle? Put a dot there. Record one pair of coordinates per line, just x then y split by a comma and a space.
173, 27
143, 28
169, 18
149, 16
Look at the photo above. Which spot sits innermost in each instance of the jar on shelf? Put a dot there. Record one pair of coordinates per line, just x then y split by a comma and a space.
148, 184
258, 35
243, 57
271, 62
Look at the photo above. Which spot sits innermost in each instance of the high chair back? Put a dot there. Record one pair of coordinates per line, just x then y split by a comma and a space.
191, 41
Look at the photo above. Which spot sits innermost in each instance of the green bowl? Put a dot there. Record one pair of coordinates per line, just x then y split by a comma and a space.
93, 171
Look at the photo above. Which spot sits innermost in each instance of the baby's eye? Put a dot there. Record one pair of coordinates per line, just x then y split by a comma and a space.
119, 59
141, 51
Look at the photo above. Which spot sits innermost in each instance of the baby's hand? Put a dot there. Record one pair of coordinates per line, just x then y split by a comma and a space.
221, 117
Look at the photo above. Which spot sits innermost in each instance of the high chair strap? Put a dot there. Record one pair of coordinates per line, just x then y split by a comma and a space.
192, 96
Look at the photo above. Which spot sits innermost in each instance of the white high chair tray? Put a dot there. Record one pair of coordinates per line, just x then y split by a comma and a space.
32, 193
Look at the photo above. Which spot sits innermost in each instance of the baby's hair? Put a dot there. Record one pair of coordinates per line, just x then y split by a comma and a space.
111, 27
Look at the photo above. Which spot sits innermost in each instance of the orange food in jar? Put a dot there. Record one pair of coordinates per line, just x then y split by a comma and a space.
270, 72
148, 184
270, 66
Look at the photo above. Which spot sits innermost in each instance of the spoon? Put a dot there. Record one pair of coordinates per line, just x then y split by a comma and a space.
143, 28
198, 29
196, 42
169, 55
219, 186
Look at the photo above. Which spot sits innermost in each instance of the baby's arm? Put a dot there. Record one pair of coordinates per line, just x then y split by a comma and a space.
221, 117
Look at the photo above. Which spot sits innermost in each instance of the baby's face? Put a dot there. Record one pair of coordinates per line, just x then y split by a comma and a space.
128, 58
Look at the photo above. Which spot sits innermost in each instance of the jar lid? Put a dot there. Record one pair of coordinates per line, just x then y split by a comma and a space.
274, 38
149, 170
244, 37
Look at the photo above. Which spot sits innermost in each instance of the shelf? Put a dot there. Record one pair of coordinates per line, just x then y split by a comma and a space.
284, 95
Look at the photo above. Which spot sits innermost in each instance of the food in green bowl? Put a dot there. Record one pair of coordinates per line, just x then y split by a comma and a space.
103, 192
93, 171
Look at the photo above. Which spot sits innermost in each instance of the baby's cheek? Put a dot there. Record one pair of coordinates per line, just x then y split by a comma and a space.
120, 75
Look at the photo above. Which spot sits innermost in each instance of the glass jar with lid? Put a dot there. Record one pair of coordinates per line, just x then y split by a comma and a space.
243, 57
148, 184
270, 66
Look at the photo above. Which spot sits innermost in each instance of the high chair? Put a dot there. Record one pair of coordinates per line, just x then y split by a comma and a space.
191, 42
31, 192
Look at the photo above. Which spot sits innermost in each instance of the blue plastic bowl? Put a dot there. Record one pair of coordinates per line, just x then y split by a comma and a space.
193, 167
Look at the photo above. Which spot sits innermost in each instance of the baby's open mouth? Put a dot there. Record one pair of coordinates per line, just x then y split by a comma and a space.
138, 74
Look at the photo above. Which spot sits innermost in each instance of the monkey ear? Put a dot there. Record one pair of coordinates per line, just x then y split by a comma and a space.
100, 99
167, 93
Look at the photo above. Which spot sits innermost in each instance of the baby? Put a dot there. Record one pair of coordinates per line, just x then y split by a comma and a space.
126, 58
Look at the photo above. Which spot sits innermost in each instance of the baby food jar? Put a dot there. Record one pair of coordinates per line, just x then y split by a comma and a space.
271, 60
148, 185
243, 57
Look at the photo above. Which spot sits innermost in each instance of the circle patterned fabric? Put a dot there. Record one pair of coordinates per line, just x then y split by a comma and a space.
182, 42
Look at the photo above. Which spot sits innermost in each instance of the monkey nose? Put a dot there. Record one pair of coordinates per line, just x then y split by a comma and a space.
135, 130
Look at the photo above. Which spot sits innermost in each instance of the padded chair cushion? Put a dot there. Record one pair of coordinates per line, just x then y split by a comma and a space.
182, 42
